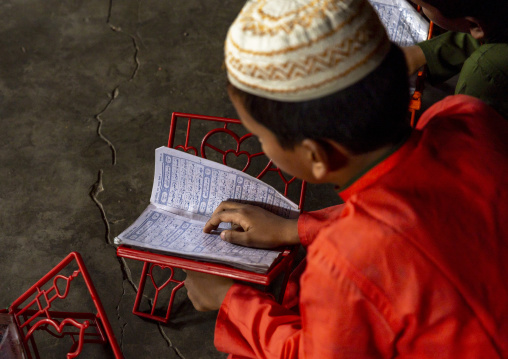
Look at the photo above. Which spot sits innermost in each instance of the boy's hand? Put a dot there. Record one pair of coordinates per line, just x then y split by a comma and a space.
253, 226
206, 291
415, 58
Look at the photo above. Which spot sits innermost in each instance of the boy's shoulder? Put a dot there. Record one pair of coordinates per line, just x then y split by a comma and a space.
485, 76
492, 56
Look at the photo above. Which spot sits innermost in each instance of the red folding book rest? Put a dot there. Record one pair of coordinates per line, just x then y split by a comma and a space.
212, 144
33, 312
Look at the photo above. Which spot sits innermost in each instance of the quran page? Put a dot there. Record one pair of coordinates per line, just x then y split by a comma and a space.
404, 25
166, 232
192, 186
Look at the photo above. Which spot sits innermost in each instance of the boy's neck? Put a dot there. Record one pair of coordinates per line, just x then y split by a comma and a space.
360, 164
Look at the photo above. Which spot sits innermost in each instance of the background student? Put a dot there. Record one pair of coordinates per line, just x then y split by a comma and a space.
476, 47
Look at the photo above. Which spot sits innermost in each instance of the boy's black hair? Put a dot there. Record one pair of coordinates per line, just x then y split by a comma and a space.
492, 15
363, 117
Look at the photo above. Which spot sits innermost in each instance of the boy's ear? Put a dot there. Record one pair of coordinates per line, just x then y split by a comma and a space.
475, 28
323, 158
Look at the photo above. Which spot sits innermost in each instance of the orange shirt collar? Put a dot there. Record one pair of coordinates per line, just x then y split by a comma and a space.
381, 168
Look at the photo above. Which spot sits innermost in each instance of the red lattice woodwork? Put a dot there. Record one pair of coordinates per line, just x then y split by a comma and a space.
33, 312
156, 261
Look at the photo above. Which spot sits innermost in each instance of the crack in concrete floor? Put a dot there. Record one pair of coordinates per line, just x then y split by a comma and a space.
114, 94
98, 187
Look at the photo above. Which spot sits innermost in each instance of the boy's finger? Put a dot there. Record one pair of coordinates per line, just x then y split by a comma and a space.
235, 237
210, 225
227, 205
229, 216
213, 222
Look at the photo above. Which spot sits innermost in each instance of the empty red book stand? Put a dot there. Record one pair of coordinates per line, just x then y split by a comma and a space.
217, 139
33, 312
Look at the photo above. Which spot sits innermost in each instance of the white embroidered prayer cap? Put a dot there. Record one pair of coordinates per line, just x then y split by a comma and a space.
297, 50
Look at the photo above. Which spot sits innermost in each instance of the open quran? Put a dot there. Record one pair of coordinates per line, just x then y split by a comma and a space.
186, 190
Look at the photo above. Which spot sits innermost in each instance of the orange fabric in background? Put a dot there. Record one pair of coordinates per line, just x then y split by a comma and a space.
413, 265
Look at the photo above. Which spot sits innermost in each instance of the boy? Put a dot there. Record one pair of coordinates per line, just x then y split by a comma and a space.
476, 47
414, 264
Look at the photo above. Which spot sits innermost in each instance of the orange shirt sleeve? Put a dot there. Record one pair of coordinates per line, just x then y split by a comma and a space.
337, 320
310, 223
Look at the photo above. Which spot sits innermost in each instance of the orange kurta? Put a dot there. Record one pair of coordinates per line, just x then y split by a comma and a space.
413, 265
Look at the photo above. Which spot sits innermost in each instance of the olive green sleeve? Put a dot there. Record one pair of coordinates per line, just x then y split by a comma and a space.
485, 76
445, 54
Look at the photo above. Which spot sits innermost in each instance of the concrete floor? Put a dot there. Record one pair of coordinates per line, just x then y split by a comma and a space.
86, 94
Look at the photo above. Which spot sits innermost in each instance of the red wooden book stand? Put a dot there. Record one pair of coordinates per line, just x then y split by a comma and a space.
33, 312
210, 148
